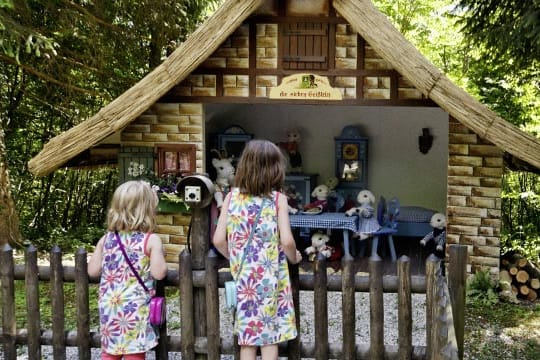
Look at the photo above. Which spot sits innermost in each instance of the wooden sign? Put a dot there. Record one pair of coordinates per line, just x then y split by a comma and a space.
305, 87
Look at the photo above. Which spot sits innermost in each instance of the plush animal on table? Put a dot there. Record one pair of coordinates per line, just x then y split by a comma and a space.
367, 222
290, 150
438, 235
318, 245
320, 193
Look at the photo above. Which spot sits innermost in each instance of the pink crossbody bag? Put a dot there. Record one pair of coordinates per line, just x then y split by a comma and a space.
158, 306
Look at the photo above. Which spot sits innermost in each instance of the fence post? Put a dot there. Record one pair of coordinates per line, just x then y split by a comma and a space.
457, 286
212, 306
32, 303
432, 265
9, 329
83, 312
57, 302
294, 351
320, 302
187, 317
376, 305
348, 310
404, 308
200, 239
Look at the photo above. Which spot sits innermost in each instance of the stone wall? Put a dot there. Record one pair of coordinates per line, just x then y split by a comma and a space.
475, 169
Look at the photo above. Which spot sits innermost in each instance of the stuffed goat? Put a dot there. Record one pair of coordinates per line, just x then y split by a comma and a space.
224, 179
438, 235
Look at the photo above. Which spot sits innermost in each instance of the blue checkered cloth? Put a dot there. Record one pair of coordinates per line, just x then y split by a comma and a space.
414, 214
325, 221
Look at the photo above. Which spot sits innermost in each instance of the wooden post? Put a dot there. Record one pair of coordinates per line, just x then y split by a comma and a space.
83, 311
200, 221
348, 308
376, 305
212, 306
320, 302
187, 330
294, 351
404, 308
57, 303
9, 328
32, 303
432, 265
457, 286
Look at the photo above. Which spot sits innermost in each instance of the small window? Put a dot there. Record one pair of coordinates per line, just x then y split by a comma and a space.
176, 159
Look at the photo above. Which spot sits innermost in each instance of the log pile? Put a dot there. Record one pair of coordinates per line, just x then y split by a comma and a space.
519, 278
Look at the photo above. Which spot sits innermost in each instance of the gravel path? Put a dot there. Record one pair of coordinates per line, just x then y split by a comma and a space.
307, 329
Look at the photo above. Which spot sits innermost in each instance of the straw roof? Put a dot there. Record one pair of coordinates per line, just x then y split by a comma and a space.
363, 16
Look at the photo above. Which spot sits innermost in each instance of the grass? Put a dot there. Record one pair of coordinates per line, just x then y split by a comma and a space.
502, 331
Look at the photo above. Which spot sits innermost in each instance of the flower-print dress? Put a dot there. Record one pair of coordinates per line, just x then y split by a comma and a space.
123, 302
265, 310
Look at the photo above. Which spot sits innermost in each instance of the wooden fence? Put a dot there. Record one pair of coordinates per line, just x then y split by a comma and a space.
200, 311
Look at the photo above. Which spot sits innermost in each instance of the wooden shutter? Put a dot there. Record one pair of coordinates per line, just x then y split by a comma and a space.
304, 46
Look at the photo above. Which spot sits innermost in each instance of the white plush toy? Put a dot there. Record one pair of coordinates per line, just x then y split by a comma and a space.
224, 179
320, 193
438, 235
318, 245
367, 222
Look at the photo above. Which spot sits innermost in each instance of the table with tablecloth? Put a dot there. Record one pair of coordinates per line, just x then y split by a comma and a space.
327, 220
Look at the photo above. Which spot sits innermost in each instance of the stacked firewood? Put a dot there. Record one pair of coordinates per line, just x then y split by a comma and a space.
518, 277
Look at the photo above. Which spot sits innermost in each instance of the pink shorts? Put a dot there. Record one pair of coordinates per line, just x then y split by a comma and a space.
138, 356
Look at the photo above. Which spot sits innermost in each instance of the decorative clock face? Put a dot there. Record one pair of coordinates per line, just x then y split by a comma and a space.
350, 151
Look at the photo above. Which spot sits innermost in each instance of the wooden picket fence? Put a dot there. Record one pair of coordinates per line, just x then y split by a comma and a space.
200, 311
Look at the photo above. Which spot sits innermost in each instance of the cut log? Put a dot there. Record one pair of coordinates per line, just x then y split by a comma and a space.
534, 283
524, 290
522, 276
513, 269
504, 276
532, 295
518, 260
532, 270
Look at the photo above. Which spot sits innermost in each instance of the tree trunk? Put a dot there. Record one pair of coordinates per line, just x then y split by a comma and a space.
9, 218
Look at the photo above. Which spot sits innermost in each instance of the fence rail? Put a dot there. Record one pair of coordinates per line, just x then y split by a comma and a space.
199, 282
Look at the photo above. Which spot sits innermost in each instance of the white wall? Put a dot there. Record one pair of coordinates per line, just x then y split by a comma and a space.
395, 165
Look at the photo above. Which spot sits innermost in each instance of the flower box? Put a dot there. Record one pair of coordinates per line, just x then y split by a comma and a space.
171, 207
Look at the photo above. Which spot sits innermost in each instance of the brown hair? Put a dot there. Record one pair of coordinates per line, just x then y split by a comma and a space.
261, 168
133, 207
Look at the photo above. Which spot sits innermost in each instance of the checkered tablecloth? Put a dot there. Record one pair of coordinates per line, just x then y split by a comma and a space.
325, 221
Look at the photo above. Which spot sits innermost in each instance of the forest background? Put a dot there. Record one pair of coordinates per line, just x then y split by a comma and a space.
63, 60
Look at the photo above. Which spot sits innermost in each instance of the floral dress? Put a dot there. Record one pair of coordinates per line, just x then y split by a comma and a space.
265, 309
123, 302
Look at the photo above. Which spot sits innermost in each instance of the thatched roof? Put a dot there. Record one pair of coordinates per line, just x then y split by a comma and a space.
363, 16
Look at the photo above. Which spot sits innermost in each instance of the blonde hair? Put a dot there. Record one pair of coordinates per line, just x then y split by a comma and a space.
261, 168
133, 207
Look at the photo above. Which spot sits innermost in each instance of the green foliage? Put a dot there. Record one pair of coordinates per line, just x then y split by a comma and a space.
481, 289
520, 214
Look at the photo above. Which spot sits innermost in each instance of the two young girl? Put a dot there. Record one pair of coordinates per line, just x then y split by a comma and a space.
258, 254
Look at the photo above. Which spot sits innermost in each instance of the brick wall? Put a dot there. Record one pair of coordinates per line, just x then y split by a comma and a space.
170, 124
474, 197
